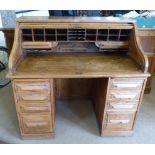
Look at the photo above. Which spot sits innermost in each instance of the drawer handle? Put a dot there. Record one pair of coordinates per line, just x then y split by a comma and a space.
119, 121
129, 85
34, 97
36, 124
124, 96
45, 108
121, 106
33, 87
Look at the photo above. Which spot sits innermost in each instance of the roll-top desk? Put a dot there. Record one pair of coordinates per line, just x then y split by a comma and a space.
70, 57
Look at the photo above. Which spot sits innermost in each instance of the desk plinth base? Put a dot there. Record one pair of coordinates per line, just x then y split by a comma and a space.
117, 133
38, 136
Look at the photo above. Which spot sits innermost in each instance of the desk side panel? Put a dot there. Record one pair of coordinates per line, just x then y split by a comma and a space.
37, 118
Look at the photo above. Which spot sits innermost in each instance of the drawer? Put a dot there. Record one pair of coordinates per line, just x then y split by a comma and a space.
122, 106
126, 83
34, 107
32, 85
124, 95
32, 96
34, 124
119, 121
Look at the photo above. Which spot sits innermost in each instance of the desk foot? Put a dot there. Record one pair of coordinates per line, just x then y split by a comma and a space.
117, 133
38, 136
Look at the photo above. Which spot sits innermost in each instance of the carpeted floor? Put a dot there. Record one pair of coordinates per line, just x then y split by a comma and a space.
76, 122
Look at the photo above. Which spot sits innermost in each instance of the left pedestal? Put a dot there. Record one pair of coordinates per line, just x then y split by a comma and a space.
35, 106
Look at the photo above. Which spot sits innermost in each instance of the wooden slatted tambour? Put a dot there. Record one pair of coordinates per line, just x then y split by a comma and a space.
77, 57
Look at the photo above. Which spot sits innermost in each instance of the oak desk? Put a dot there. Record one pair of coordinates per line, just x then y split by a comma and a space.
70, 57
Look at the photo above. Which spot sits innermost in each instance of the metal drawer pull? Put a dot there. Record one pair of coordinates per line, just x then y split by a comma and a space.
129, 85
124, 96
33, 97
32, 87
35, 108
36, 124
121, 106
119, 121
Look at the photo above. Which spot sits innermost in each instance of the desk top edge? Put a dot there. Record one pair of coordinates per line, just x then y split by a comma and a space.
61, 19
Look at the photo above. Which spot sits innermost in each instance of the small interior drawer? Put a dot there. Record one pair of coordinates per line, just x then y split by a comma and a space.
34, 107
119, 121
32, 96
122, 105
36, 123
32, 86
126, 83
124, 95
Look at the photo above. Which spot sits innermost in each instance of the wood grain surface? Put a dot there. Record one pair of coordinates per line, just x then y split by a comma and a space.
76, 65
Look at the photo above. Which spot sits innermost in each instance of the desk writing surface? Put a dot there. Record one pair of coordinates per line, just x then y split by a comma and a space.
74, 65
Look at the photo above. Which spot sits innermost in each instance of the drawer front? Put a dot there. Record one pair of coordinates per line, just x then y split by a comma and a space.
119, 121
32, 96
123, 95
126, 83
32, 85
122, 106
34, 107
34, 124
